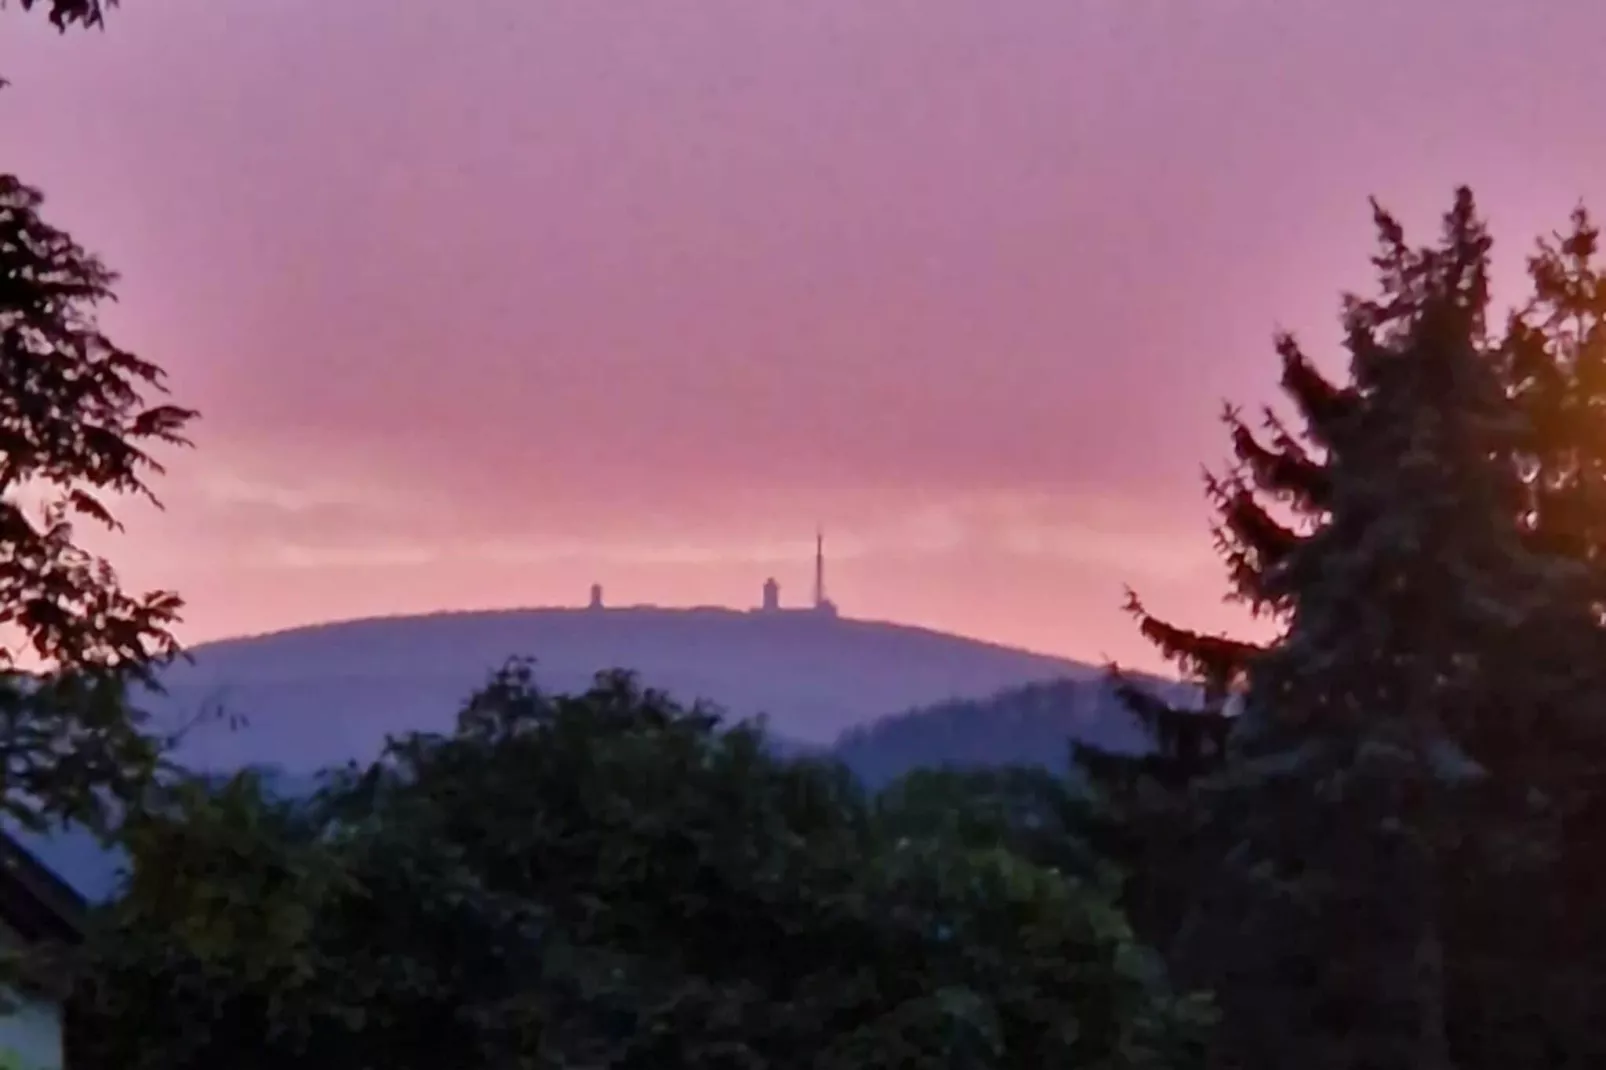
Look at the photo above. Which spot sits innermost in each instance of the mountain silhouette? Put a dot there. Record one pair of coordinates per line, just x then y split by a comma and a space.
332, 692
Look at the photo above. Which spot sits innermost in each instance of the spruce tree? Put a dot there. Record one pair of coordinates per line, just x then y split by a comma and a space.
1423, 640
1536, 941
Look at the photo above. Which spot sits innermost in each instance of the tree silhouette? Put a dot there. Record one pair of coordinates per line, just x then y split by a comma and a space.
65, 13
612, 879
76, 425
1422, 537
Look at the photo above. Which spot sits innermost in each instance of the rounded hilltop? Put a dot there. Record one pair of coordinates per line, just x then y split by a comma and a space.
770, 602
332, 691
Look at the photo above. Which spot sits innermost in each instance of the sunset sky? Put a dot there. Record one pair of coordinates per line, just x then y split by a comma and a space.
484, 302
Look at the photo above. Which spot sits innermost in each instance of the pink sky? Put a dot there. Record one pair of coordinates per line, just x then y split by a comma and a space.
483, 302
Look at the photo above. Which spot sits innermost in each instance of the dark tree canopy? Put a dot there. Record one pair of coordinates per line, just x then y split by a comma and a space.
1355, 839
79, 416
76, 425
609, 879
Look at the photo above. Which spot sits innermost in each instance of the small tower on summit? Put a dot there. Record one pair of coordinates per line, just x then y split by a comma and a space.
819, 568
772, 596
596, 597
822, 604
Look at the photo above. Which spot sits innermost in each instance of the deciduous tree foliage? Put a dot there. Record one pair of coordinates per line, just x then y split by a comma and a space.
608, 879
77, 419
65, 13
77, 422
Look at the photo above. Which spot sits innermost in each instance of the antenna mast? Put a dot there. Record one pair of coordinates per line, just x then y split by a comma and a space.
819, 569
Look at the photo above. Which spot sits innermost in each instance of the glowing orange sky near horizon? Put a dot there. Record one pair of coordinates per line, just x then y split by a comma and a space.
482, 308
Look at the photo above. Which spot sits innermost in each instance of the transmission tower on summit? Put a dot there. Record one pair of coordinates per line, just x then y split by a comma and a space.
822, 604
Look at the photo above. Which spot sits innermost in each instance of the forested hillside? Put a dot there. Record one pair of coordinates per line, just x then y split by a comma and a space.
1031, 725
330, 693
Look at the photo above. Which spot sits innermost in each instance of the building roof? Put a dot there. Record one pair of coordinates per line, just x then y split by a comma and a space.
34, 902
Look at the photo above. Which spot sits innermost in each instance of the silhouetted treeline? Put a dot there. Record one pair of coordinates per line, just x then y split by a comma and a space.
1032, 725
1377, 839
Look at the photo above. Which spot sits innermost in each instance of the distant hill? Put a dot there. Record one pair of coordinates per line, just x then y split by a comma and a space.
1029, 725
331, 692
325, 694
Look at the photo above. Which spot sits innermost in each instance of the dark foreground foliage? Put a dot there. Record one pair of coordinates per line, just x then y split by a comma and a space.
1377, 839
608, 879
80, 419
